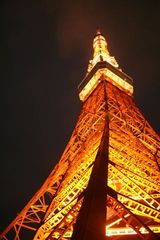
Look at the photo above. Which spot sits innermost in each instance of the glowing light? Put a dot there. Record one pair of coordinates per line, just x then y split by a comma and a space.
101, 52
129, 231
103, 71
103, 64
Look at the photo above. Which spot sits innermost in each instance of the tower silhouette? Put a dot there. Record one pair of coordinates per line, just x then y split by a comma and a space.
106, 184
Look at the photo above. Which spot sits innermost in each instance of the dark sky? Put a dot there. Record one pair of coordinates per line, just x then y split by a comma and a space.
45, 48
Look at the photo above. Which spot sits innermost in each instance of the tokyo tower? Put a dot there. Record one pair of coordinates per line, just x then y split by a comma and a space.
106, 184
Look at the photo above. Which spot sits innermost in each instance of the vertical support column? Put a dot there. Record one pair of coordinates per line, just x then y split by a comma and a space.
91, 221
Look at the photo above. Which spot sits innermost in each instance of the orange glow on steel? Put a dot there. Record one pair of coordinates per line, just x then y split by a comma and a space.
109, 76
129, 231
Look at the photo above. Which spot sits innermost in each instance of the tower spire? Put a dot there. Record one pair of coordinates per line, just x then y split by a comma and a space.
98, 31
100, 44
101, 52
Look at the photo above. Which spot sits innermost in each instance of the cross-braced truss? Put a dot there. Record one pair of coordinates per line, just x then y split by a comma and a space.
131, 152
133, 174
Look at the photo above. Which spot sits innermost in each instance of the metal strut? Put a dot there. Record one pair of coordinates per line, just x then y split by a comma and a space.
92, 214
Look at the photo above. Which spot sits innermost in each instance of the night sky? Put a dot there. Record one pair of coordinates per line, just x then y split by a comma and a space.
45, 48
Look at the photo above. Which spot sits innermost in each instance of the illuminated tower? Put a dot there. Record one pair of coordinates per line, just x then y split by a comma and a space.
107, 183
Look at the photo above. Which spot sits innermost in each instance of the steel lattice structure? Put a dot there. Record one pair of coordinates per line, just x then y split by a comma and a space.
133, 173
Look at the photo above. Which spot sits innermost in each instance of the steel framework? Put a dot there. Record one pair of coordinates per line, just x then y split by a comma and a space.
132, 147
